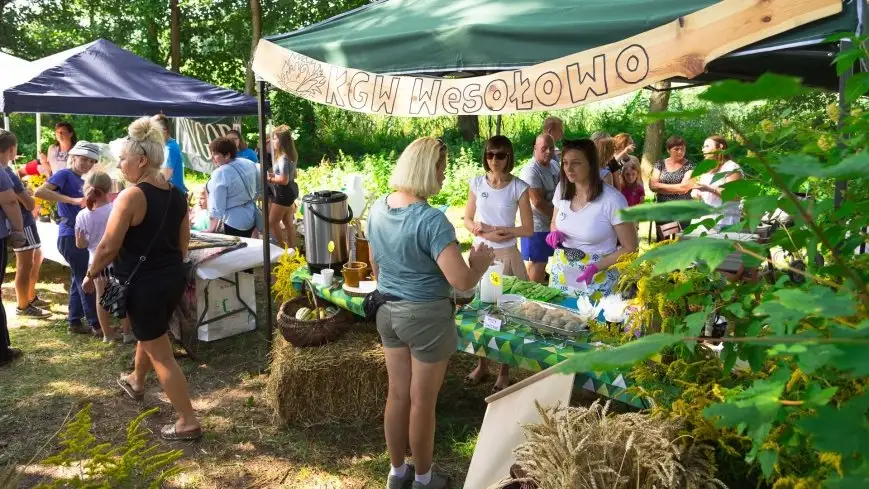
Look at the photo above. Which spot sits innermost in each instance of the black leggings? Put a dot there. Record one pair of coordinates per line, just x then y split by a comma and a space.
231, 231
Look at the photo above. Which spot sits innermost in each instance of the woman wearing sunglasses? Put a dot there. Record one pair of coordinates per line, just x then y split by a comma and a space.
493, 201
586, 227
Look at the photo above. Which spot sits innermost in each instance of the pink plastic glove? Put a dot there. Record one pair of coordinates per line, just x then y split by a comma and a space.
555, 238
588, 274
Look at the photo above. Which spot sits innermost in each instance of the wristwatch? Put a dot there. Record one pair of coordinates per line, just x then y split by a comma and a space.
89, 275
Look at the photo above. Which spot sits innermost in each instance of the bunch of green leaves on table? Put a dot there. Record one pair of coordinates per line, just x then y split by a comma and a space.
530, 290
791, 388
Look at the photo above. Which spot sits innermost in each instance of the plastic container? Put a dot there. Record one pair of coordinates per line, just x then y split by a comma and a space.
355, 193
491, 285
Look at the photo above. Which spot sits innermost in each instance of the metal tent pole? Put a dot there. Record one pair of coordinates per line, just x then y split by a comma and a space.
6, 122
267, 243
38, 134
844, 110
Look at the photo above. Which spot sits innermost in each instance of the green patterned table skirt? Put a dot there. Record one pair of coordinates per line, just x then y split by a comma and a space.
515, 345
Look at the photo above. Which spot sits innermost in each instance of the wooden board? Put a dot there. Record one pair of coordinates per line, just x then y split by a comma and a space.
681, 48
365, 288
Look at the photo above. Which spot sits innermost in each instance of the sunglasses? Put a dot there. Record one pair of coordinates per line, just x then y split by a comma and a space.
499, 155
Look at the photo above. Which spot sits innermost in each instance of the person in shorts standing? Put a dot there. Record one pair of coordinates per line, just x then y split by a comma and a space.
283, 187
416, 259
149, 219
541, 174
66, 187
28, 257
11, 232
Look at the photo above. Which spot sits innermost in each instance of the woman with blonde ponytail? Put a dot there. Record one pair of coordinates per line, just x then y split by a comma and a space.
146, 239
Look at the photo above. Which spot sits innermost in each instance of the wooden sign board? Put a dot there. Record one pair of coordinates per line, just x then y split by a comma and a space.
681, 48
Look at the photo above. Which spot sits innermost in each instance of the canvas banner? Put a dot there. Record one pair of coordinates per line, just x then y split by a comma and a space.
194, 136
681, 48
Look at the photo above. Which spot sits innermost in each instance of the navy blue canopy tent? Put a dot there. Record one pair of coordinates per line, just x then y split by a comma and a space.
100, 78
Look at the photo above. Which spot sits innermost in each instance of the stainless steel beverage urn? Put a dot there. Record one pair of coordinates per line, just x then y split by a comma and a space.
326, 215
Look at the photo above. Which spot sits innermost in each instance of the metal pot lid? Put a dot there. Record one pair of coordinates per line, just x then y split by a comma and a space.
325, 197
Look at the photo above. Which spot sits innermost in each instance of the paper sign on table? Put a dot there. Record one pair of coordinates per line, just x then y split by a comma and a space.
492, 323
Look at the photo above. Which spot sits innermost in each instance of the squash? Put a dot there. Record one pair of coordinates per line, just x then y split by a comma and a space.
303, 313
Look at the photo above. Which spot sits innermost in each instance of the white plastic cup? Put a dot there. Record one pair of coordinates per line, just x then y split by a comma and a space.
317, 279
328, 275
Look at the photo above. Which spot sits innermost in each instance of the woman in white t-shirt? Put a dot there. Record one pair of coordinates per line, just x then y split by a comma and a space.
493, 202
710, 184
586, 228
58, 153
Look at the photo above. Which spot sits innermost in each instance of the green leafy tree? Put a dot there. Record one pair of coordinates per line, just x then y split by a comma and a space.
801, 399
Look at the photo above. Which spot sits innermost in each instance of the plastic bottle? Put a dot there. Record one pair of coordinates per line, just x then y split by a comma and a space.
355, 193
491, 287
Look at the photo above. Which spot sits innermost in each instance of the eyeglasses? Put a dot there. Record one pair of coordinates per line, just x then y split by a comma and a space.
499, 155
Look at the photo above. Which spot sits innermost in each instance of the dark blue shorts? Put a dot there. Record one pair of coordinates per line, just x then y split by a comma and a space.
535, 249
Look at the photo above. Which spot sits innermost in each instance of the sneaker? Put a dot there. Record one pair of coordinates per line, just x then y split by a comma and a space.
395, 482
78, 328
40, 303
438, 481
97, 331
32, 311
129, 338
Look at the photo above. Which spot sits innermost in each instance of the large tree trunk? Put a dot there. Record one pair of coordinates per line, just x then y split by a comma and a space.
469, 127
257, 23
175, 49
152, 37
654, 142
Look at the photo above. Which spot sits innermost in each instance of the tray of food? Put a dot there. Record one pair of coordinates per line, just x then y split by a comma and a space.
547, 318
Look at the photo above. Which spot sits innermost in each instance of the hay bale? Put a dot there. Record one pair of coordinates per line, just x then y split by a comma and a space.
341, 382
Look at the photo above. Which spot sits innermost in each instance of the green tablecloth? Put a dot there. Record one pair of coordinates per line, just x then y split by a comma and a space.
515, 345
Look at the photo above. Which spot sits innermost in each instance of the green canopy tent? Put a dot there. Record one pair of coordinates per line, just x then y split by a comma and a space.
438, 38
434, 38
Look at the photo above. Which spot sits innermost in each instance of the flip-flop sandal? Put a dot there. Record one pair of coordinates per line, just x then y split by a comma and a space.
496, 388
169, 433
128, 389
475, 381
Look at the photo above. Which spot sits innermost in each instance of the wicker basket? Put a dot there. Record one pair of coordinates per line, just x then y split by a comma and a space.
313, 332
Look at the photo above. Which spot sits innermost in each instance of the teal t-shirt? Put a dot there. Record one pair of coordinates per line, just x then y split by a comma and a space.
406, 243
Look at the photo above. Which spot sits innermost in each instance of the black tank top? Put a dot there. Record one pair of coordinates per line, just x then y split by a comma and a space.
166, 252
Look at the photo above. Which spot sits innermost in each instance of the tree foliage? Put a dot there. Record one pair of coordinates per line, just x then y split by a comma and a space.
800, 398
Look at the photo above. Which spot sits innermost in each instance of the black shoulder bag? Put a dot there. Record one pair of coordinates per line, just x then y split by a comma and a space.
114, 299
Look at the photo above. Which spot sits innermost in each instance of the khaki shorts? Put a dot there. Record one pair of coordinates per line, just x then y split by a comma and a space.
512, 260
427, 328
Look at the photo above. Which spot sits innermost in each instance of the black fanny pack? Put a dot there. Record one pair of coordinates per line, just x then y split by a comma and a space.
374, 301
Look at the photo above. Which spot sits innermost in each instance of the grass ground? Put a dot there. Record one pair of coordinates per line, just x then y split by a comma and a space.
243, 449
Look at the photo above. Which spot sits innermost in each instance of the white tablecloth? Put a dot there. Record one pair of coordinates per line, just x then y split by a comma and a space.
251, 256
48, 232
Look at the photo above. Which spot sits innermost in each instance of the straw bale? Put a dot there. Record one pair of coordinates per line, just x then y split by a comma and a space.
341, 382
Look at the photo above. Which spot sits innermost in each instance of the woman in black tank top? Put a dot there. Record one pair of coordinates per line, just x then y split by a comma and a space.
150, 212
